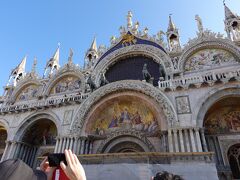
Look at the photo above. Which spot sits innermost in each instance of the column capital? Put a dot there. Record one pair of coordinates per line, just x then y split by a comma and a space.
202, 129
175, 130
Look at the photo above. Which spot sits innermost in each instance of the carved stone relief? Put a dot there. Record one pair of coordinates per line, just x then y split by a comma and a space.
67, 117
183, 105
209, 58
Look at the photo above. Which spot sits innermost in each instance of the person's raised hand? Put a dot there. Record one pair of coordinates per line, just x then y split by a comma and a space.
44, 166
73, 169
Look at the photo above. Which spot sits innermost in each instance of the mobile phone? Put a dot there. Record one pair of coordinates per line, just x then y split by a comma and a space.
55, 159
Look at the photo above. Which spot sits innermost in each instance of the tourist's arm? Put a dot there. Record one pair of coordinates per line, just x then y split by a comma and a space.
73, 169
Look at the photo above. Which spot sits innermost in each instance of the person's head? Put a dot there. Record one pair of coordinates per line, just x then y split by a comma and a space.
15, 169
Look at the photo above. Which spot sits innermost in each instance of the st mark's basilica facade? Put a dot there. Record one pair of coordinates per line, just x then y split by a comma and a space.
140, 106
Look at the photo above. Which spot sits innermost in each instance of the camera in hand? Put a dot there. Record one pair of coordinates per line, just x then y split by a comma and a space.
55, 159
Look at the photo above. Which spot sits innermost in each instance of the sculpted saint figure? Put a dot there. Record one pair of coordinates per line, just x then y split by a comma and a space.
146, 74
199, 24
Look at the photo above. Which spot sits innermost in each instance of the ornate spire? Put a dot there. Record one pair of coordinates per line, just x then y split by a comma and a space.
56, 54
53, 63
173, 37
232, 24
21, 66
228, 13
91, 55
94, 45
171, 25
18, 72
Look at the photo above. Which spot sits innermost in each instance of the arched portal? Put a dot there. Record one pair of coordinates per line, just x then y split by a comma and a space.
125, 144
126, 147
3, 138
234, 160
36, 138
222, 128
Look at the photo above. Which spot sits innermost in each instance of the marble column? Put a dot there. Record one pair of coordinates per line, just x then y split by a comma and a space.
79, 141
192, 140
175, 140
170, 142
187, 140
56, 145
86, 149
218, 150
91, 147
181, 140
204, 143
82, 147
71, 144
33, 156
60, 145
11, 151
75, 144
199, 144
67, 143
5, 151
30, 155
24, 152
21, 151
63, 145
17, 150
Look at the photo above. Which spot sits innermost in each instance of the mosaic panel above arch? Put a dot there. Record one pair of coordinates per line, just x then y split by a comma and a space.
122, 113
66, 84
28, 93
209, 58
223, 117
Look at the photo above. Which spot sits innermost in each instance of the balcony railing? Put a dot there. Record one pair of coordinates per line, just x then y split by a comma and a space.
39, 104
209, 77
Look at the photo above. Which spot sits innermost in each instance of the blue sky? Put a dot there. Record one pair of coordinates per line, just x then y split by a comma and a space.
34, 28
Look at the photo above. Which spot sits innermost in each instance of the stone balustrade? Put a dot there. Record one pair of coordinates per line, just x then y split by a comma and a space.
209, 77
39, 104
